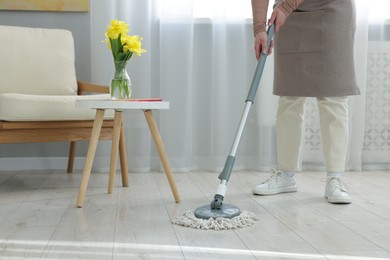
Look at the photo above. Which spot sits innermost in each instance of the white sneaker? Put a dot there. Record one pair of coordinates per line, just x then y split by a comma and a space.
336, 192
279, 182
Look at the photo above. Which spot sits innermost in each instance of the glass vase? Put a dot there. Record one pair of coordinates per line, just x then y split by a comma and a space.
120, 87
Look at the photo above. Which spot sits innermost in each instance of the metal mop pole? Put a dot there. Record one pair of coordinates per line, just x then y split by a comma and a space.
227, 170
217, 208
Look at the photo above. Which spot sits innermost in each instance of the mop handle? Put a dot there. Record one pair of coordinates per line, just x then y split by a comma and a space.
227, 170
260, 66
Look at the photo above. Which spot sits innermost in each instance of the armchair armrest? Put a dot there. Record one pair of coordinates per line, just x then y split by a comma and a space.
83, 87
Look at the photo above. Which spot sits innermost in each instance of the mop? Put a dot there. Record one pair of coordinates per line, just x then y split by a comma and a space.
217, 215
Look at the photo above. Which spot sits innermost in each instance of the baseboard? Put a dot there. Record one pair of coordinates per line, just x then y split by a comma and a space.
46, 163
38, 163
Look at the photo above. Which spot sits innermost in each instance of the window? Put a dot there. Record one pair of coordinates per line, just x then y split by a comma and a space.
378, 11
230, 9
211, 9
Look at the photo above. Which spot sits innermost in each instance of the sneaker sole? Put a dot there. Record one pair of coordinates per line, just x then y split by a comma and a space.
275, 191
339, 200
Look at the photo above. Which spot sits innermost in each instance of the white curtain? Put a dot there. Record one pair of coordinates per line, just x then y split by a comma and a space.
200, 58
376, 146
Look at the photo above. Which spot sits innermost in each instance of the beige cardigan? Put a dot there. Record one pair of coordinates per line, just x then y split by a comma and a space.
314, 48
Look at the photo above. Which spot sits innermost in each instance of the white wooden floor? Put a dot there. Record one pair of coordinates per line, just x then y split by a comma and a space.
39, 219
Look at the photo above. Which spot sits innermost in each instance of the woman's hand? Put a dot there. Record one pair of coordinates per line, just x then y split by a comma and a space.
277, 17
260, 45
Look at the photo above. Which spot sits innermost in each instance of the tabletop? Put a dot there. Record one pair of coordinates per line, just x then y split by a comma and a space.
143, 104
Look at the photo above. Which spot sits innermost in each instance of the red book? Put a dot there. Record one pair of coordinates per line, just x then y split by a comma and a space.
145, 99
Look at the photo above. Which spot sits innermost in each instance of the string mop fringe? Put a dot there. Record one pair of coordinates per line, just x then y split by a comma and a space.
188, 219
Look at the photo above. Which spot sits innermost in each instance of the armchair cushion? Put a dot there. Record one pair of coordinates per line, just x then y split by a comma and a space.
22, 107
37, 61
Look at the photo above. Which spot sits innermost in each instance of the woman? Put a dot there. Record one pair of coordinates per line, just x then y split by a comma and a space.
313, 58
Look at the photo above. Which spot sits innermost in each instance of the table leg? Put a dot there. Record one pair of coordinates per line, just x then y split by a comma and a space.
97, 126
114, 148
161, 151
123, 158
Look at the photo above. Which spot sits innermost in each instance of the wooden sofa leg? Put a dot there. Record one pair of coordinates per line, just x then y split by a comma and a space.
72, 151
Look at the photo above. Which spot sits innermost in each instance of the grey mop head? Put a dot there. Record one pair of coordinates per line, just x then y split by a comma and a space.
188, 219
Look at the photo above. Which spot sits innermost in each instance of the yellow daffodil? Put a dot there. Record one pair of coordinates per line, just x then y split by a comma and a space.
132, 44
120, 43
115, 28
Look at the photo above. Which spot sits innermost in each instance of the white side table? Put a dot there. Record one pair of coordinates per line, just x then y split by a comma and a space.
101, 106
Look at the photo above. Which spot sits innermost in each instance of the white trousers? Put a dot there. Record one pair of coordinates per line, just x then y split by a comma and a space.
333, 112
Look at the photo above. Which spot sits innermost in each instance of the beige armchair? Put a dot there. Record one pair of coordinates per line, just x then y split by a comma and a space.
38, 88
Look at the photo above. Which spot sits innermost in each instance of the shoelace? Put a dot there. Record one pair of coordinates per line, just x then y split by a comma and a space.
275, 176
336, 184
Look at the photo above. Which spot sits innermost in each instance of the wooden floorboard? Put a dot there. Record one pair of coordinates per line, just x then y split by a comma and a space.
39, 218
